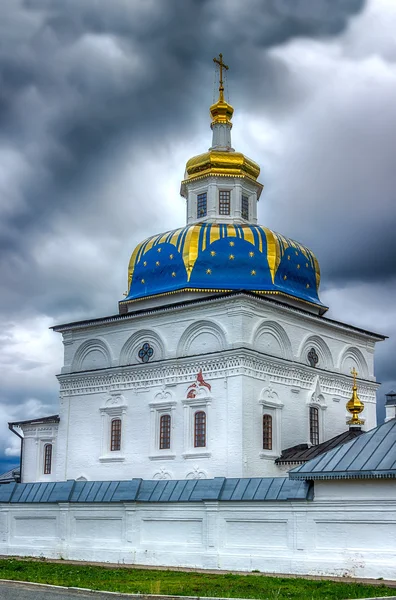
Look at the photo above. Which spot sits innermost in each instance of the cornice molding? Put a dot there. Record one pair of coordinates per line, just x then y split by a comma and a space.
219, 365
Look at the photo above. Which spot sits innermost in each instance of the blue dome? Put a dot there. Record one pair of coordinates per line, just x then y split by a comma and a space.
215, 258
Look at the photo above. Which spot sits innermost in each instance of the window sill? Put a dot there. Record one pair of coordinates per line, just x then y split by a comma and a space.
269, 454
197, 454
162, 456
111, 459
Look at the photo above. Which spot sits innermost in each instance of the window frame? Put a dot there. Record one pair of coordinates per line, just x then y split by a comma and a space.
200, 429
225, 203
267, 431
115, 434
314, 425
47, 460
202, 212
165, 431
245, 208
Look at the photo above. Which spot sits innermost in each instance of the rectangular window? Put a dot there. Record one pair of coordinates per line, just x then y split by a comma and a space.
202, 205
47, 459
224, 202
165, 432
314, 425
200, 429
245, 208
115, 435
267, 432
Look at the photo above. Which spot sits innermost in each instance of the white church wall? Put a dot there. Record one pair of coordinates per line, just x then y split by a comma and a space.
244, 346
324, 537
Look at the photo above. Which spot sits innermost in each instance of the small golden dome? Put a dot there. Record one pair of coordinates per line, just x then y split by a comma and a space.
355, 406
221, 112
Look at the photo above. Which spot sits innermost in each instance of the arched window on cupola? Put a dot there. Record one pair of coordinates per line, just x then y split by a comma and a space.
115, 437
314, 425
267, 432
165, 432
200, 429
47, 459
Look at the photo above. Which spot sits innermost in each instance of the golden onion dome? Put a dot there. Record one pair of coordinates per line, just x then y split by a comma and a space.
215, 162
221, 112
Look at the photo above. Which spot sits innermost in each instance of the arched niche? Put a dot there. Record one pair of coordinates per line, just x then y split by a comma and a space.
316, 343
92, 354
270, 338
350, 358
202, 337
130, 351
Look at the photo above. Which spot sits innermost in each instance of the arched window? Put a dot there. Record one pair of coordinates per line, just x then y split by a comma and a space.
115, 442
165, 432
47, 459
200, 429
267, 432
314, 425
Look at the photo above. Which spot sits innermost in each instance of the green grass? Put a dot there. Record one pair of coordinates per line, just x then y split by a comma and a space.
180, 583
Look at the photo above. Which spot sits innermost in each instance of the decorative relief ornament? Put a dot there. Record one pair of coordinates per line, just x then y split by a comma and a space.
146, 352
194, 388
313, 358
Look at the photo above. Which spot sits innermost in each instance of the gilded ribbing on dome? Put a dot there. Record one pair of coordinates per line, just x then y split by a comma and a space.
223, 256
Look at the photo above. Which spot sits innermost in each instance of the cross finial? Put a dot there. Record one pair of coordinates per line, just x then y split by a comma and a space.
219, 61
354, 374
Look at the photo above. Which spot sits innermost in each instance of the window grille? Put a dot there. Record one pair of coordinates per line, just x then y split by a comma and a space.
200, 429
314, 425
245, 208
115, 443
202, 205
165, 432
267, 432
224, 202
47, 459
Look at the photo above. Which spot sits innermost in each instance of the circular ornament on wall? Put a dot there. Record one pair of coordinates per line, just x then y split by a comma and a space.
313, 357
146, 352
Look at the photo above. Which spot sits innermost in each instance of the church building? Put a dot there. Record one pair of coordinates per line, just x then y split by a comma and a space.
220, 365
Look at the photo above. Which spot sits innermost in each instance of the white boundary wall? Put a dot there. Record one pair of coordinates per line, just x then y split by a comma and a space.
327, 536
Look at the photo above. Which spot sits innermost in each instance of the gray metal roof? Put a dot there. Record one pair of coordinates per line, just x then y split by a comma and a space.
9, 476
302, 453
50, 419
139, 490
371, 455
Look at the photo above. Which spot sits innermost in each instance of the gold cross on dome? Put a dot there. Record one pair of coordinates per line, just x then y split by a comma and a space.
354, 374
219, 61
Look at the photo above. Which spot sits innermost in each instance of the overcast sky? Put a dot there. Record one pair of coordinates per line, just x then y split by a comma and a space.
103, 102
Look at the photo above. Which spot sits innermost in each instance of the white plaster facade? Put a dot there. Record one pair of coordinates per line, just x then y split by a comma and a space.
349, 529
252, 352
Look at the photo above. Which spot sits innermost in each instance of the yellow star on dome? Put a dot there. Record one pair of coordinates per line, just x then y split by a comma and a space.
296, 253
231, 257
232, 243
145, 263
285, 277
253, 272
171, 256
307, 285
251, 254
208, 271
213, 253
157, 263
173, 274
298, 266
159, 250
307, 265
143, 281
288, 258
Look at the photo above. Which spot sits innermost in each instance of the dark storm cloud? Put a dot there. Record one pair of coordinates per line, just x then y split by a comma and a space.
80, 81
